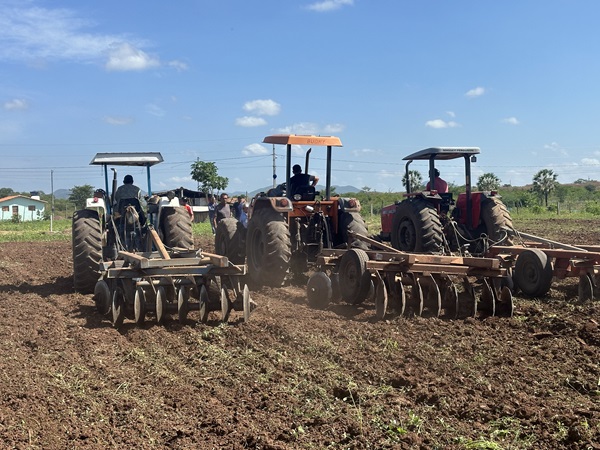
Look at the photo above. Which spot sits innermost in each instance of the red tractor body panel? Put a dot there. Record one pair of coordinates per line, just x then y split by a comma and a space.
461, 205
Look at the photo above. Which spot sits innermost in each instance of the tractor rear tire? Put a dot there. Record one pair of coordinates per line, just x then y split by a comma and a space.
228, 240
352, 221
176, 228
268, 248
497, 221
416, 227
87, 250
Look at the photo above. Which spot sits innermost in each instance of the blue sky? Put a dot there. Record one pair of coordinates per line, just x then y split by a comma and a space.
209, 79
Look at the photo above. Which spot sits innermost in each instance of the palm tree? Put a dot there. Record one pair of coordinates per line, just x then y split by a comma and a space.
416, 180
488, 182
544, 182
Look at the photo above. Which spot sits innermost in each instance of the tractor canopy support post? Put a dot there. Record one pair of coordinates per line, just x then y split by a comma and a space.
109, 196
307, 159
149, 181
328, 176
431, 172
468, 190
288, 169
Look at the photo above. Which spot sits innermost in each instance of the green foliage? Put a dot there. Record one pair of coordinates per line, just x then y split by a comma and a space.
207, 176
544, 182
37, 230
79, 194
415, 179
6, 192
488, 182
593, 208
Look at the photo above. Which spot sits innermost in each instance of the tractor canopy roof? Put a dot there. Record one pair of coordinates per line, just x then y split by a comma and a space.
127, 159
303, 139
443, 153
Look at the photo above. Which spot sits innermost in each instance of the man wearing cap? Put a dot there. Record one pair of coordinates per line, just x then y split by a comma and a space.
300, 180
128, 190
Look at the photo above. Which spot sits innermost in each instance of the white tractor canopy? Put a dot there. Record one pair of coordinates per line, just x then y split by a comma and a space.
127, 159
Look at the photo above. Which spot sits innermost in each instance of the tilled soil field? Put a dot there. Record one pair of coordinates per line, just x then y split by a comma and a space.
293, 377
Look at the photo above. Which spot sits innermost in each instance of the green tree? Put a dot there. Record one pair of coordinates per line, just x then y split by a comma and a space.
488, 182
6, 192
207, 176
415, 178
79, 194
544, 182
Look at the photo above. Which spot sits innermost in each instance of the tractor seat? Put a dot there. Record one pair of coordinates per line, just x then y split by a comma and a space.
308, 193
125, 202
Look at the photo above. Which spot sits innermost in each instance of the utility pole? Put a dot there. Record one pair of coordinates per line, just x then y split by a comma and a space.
51, 199
274, 167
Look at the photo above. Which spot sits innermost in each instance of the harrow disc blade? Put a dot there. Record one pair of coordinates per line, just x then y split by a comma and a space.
467, 302
336, 292
432, 299
381, 298
118, 307
225, 305
139, 306
102, 297
586, 288
161, 304
504, 304
319, 290
450, 300
182, 304
203, 299
246, 302
415, 302
488, 298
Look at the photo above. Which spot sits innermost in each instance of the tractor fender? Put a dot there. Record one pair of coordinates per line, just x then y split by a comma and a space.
96, 204
279, 204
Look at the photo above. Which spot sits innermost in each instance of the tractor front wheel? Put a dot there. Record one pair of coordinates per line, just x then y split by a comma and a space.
176, 228
228, 240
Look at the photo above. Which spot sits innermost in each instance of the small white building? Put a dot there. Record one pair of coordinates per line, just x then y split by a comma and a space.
27, 208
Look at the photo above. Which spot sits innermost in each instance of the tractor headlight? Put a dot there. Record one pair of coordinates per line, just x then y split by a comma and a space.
297, 197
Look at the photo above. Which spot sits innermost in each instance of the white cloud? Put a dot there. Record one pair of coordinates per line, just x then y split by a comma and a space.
180, 180
511, 121
476, 92
365, 151
180, 66
16, 104
155, 110
249, 121
124, 57
554, 147
329, 5
391, 174
35, 34
439, 123
255, 149
300, 128
451, 114
590, 161
114, 120
333, 128
263, 107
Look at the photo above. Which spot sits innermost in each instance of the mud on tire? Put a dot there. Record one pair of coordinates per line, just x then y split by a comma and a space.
229, 239
497, 220
176, 227
353, 221
87, 250
268, 247
416, 227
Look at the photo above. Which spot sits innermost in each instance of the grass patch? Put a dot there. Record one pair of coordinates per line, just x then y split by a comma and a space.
38, 230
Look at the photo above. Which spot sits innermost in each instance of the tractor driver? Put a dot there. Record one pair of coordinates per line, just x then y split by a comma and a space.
300, 180
438, 184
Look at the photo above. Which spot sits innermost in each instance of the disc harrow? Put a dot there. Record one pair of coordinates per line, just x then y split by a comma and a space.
164, 283
411, 284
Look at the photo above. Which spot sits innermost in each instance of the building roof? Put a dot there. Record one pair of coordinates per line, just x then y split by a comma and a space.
12, 197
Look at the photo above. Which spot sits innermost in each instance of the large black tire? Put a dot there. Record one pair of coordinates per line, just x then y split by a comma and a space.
228, 240
533, 272
176, 227
352, 221
355, 279
416, 227
87, 250
268, 247
497, 221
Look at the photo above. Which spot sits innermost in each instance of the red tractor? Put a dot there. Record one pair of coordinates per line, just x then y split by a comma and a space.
434, 222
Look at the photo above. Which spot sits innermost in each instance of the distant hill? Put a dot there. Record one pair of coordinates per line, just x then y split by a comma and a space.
62, 193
